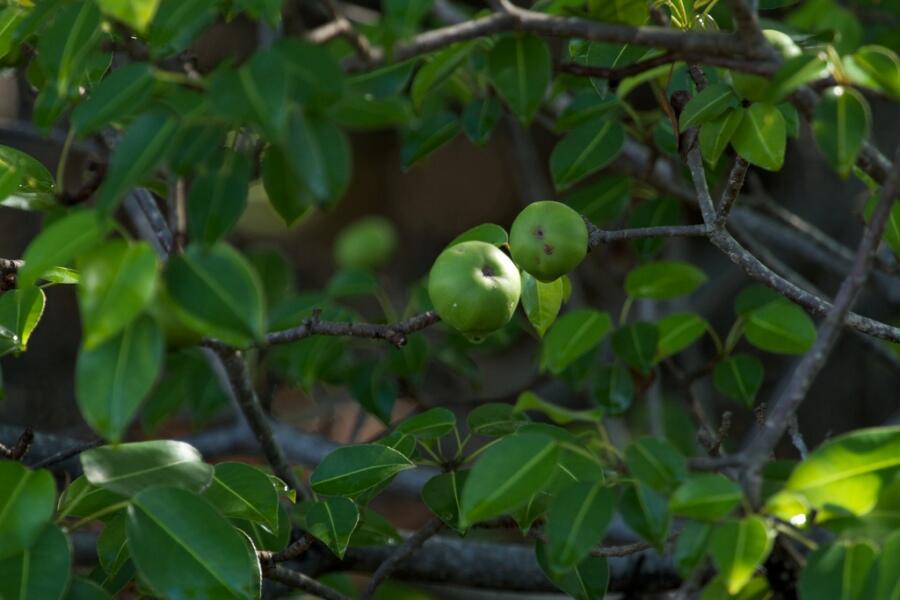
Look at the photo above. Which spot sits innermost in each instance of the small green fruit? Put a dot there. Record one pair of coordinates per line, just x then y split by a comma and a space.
366, 244
474, 287
753, 87
548, 239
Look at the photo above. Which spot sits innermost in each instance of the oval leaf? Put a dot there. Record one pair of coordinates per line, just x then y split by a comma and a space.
663, 280
520, 67
245, 492
705, 497
429, 425
780, 327
737, 548
739, 377
41, 572
761, 136
352, 470
573, 335
27, 498
59, 243
840, 125
576, 522
584, 150
332, 521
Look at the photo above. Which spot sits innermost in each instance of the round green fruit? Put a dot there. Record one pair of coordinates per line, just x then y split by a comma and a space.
548, 239
753, 87
366, 244
474, 287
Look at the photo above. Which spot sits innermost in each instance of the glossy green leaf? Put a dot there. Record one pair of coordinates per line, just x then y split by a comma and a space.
841, 124
678, 331
737, 548
705, 497
707, 105
602, 201
610, 55
319, 156
218, 292
59, 243
613, 388
127, 469
739, 377
636, 344
573, 335
332, 521
716, 134
754, 297
884, 578
691, 547
838, 571
20, 312
245, 492
183, 548
314, 76
646, 512
26, 505
25, 183
479, 119
876, 67
794, 73
83, 588
584, 150
137, 14
217, 199
117, 281
352, 470
374, 530
431, 424
756, 589
520, 67
541, 301
112, 379
441, 495
576, 521
845, 474
507, 475
780, 327
486, 232
40, 572
83, 499
10, 18
143, 145
587, 581
440, 66
285, 191
558, 414
426, 137
663, 280
761, 137
656, 463
263, 538
495, 419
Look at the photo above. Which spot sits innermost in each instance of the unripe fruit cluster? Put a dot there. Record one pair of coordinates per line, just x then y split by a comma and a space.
475, 286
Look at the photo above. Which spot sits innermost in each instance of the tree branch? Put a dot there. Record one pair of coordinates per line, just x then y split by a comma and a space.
732, 190
599, 236
412, 543
394, 333
298, 580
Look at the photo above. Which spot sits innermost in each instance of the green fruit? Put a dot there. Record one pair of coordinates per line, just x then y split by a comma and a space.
474, 287
753, 87
548, 239
366, 244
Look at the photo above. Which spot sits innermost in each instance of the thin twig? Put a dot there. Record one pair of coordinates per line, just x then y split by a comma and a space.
412, 543
293, 551
599, 236
21, 447
298, 580
732, 190
395, 333
64, 455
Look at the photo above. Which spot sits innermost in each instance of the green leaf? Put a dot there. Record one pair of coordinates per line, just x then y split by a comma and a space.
118, 279
176, 23
368, 112
285, 191
217, 199
10, 18
127, 469
576, 521
678, 331
780, 327
613, 388
602, 201
264, 538
40, 572
707, 105
841, 124
59, 243
761, 136
646, 512
737, 548
796, 71
716, 134
845, 474
25, 183
753, 297
426, 137
657, 463
557, 414
664, 280
143, 145
541, 301
691, 547
486, 232
587, 581
373, 530
884, 578
352, 470
26, 505
838, 571
332, 521
635, 344
479, 119
441, 495
319, 156
876, 67
495, 419
507, 475
573, 335
83, 499
520, 68
183, 548
20, 311
739, 377
112, 379
218, 292
83, 588
137, 14
242, 491
314, 76
705, 497
429, 425
586, 149
756, 589
440, 66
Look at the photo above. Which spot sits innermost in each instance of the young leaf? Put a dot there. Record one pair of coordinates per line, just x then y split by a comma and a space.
716, 134
657, 463
705, 497
576, 521
707, 105
118, 279
242, 491
507, 475
584, 150
113, 378
739, 377
59, 243
587, 581
25, 183
520, 67
573, 335
40, 571
352, 470
780, 327
635, 344
495, 419
441, 495
841, 124
429, 425
761, 136
647, 512
541, 302
557, 414
127, 469
182, 546
663, 280
20, 311
737, 548
678, 331
27, 498
332, 522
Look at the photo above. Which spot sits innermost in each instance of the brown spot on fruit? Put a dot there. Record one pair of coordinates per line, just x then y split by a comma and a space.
487, 271
539, 233
548, 249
